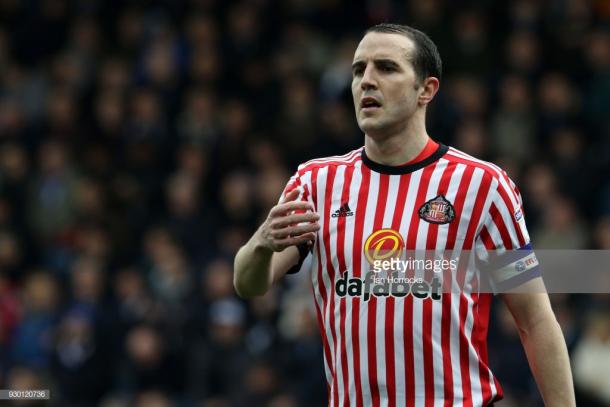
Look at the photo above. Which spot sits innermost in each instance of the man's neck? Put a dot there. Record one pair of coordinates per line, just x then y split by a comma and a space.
398, 148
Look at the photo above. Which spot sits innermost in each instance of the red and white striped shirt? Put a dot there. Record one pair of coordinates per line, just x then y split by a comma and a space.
406, 350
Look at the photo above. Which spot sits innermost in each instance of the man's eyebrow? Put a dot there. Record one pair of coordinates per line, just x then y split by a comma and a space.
357, 64
386, 61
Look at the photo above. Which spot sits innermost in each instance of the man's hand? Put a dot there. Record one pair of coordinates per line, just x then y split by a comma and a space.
281, 228
289, 224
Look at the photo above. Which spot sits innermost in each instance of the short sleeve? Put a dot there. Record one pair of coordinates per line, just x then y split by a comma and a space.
503, 244
296, 182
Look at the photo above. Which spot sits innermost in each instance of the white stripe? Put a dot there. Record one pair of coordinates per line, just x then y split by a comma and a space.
481, 253
465, 217
333, 229
494, 169
473, 360
390, 207
318, 299
507, 215
496, 238
473, 370
399, 351
348, 247
314, 271
437, 306
322, 177
471, 273
371, 207
339, 159
418, 310
405, 221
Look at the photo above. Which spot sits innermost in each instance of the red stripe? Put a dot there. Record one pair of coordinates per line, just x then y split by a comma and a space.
322, 289
477, 211
511, 212
510, 184
420, 199
372, 311
464, 362
458, 205
331, 274
479, 339
360, 214
427, 304
347, 180
446, 317
401, 198
497, 218
486, 239
482, 332
305, 193
325, 346
482, 192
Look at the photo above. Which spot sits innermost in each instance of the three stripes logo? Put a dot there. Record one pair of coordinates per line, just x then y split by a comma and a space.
343, 211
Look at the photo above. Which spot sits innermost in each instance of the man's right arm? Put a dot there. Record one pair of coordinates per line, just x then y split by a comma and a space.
272, 250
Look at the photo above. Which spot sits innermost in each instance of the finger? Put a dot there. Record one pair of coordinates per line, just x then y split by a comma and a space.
291, 196
296, 218
284, 208
295, 230
297, 240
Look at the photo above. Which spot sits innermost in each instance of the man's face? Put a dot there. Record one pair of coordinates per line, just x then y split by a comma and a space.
384, 84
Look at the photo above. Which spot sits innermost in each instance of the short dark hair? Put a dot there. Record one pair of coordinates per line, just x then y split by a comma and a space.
426, 59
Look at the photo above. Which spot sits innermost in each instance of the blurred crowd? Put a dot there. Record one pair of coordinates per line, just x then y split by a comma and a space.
142, 142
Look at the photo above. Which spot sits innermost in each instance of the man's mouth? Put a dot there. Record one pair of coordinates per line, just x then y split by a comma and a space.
369, 104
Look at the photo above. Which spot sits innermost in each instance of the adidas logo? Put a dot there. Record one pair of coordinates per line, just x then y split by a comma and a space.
343, 211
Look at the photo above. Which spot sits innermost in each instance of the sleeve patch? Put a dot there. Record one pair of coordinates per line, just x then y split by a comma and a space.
515, 268
518, 215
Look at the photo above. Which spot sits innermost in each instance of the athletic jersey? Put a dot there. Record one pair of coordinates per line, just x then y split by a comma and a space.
407, 350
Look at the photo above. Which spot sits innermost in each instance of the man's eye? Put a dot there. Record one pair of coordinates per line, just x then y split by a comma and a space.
357, 72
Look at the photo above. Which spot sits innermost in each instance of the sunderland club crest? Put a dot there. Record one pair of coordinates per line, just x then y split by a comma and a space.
437, 210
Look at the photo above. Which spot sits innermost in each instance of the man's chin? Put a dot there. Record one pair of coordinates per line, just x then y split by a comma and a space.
372, 126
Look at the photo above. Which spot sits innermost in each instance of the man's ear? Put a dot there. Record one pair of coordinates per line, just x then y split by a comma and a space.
429, 88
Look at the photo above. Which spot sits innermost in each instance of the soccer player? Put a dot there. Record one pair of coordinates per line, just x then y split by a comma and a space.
424, 347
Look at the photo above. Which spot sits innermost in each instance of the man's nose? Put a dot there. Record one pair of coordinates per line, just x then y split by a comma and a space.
369, 81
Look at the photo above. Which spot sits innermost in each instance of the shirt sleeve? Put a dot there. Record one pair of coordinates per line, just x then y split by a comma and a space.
295, 182
503, 246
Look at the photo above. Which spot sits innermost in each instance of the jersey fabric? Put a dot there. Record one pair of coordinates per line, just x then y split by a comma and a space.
410, 350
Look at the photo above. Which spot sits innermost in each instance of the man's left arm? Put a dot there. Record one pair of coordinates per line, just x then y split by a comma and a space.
543, 342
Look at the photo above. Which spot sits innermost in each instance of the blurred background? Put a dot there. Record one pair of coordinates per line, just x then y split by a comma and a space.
142, 142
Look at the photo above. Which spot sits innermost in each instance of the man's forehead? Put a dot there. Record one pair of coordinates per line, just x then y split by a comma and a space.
383, 46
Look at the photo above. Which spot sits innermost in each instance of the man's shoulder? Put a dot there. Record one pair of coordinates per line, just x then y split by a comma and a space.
490, 169
347, 159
